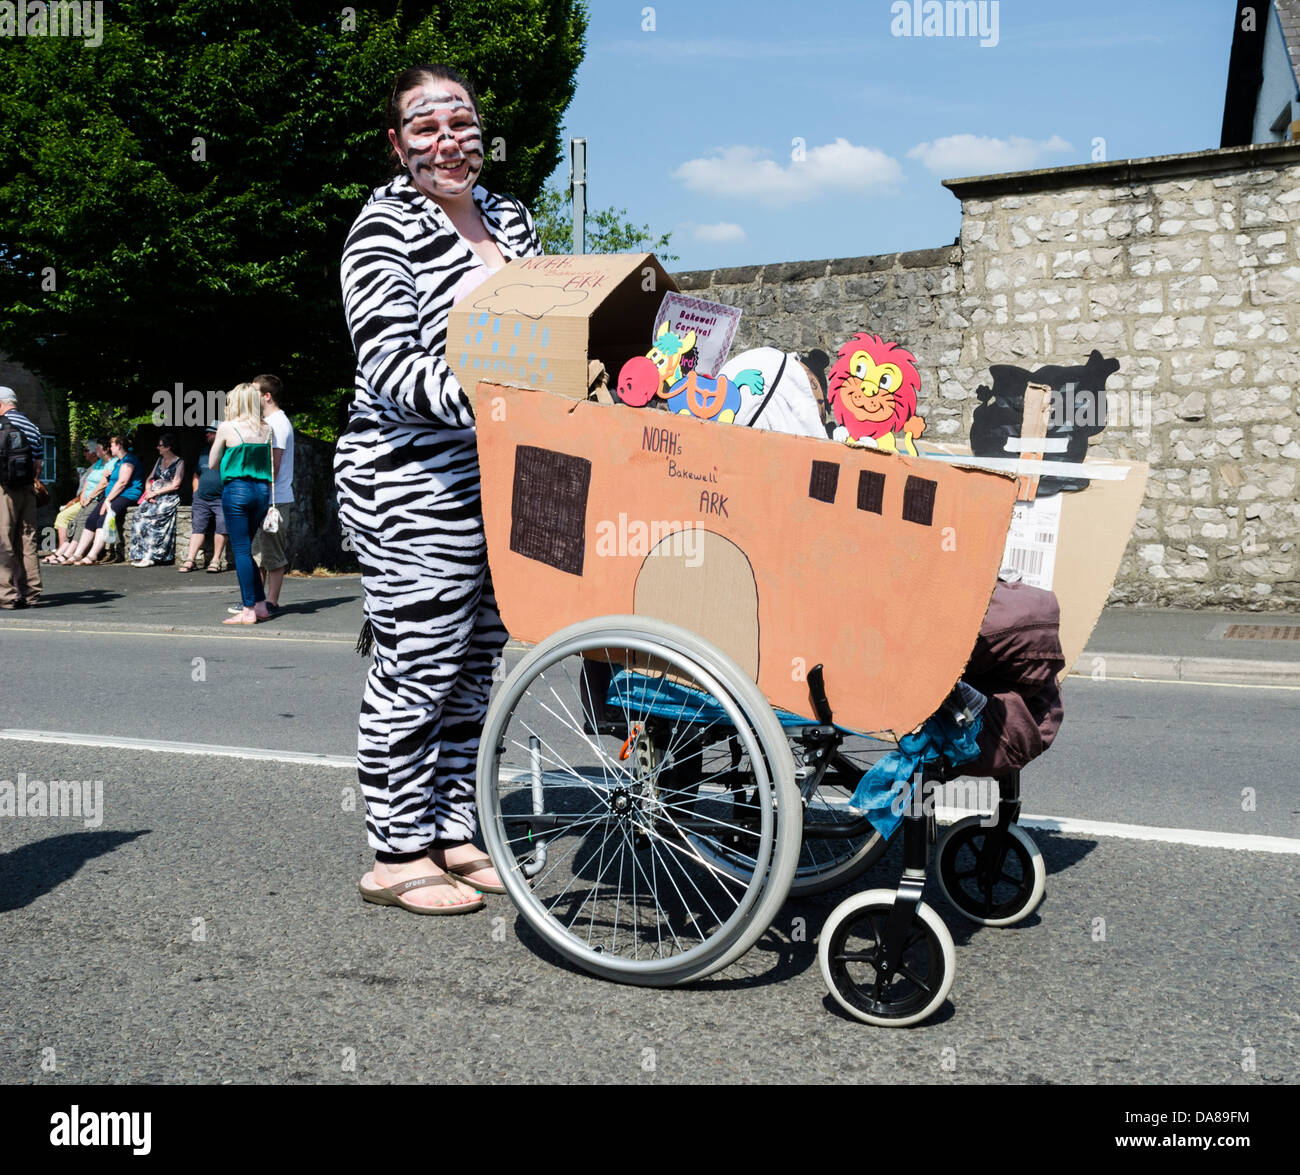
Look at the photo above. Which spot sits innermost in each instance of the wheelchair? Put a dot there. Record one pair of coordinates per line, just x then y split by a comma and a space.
650, 812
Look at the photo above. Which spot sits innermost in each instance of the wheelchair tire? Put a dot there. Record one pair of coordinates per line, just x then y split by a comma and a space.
1012, 895
622, 888
850, 949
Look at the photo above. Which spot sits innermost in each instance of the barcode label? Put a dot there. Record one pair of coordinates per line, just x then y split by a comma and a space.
1032, 539
1026, 561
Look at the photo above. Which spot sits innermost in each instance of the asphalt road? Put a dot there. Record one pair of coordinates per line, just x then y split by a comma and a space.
209, 929
1168, 755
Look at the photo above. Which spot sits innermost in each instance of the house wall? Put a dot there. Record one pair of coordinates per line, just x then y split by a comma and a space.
1277, 89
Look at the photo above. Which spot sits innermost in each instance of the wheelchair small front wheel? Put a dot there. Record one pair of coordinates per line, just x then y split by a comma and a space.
987, 891
852, 949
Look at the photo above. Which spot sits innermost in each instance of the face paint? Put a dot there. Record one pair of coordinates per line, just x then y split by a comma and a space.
441, 141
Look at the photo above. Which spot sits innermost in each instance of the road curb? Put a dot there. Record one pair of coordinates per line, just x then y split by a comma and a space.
24, 620
1103, 666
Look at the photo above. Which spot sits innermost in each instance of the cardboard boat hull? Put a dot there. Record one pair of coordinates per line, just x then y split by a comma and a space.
785, 552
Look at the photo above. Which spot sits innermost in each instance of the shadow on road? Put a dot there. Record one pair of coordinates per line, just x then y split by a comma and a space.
34, 870
86, 596
308, 607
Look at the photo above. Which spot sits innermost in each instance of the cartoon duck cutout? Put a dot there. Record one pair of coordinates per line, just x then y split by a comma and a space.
872, 392
668, 371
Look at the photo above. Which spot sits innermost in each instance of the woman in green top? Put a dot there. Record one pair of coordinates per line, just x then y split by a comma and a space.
243, 448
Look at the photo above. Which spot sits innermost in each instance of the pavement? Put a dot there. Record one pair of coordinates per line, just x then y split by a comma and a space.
1141, 643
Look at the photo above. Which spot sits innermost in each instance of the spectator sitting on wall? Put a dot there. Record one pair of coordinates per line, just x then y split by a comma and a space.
206, 512
125, 484
71, 520
153, 530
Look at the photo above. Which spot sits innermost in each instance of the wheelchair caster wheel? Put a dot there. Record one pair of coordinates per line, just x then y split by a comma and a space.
994, 893
852, 949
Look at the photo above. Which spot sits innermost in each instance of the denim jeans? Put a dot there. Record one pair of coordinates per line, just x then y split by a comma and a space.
244, 502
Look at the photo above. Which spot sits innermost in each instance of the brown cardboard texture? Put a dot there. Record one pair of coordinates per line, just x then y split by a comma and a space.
538, 320
1096, 524
785, 552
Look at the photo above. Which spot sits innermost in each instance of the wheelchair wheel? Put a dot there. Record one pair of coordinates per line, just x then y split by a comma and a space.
991, 896
849, 845
606, 811
837, 843
852, 947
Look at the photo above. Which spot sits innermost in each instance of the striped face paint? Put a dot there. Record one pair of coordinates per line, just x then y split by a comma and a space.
441, 141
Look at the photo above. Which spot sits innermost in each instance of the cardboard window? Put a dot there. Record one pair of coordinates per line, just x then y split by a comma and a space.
824, 481
918, 500
549, 507
871, 491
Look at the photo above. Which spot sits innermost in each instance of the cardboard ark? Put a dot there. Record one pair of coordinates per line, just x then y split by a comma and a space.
1087, 543
537, 321
784, 551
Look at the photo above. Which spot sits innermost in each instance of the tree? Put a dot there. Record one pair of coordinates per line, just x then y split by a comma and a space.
608, 231
173, 202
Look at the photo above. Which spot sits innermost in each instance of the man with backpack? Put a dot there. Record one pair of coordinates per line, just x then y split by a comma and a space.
21, 456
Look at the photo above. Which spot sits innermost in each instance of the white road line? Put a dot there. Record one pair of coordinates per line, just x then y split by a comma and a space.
1246, 842
116, 742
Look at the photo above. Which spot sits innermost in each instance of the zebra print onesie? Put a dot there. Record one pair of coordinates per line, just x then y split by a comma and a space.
407, 473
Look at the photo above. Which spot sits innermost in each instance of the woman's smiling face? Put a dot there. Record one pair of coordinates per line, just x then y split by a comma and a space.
440, 141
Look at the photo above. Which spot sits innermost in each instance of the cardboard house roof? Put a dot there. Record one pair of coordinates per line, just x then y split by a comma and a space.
537, 321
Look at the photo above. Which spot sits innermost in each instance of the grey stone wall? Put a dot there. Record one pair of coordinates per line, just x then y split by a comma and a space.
1184, 268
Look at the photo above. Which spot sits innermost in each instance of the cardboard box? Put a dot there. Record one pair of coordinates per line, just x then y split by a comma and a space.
537, 321
783, 551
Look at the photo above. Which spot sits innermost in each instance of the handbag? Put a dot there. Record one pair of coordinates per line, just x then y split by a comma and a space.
271, 523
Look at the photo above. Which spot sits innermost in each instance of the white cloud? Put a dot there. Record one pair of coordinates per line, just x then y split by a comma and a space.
745, 173
723, 233
959, 155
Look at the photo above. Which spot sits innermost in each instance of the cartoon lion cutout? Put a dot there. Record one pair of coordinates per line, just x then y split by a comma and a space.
872, 393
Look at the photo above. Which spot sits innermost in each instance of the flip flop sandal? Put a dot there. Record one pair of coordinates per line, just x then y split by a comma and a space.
459, 871
392, 896
188, 565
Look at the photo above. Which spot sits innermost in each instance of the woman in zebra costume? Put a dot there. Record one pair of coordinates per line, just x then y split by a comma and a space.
408, 483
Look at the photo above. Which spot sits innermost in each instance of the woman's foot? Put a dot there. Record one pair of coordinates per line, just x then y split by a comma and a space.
484, 877
188, 565
385, 876
243, 616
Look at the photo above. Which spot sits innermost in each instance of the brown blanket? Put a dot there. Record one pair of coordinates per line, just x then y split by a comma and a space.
1015, 662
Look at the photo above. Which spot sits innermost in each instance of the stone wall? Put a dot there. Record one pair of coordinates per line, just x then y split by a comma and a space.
1184, 268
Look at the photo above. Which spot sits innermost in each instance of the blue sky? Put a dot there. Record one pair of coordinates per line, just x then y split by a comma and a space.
691, 126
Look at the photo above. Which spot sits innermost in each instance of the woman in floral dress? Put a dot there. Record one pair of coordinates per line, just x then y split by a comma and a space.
153, 526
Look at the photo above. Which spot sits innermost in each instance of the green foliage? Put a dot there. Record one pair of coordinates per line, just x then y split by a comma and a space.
174, 202
608, 231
